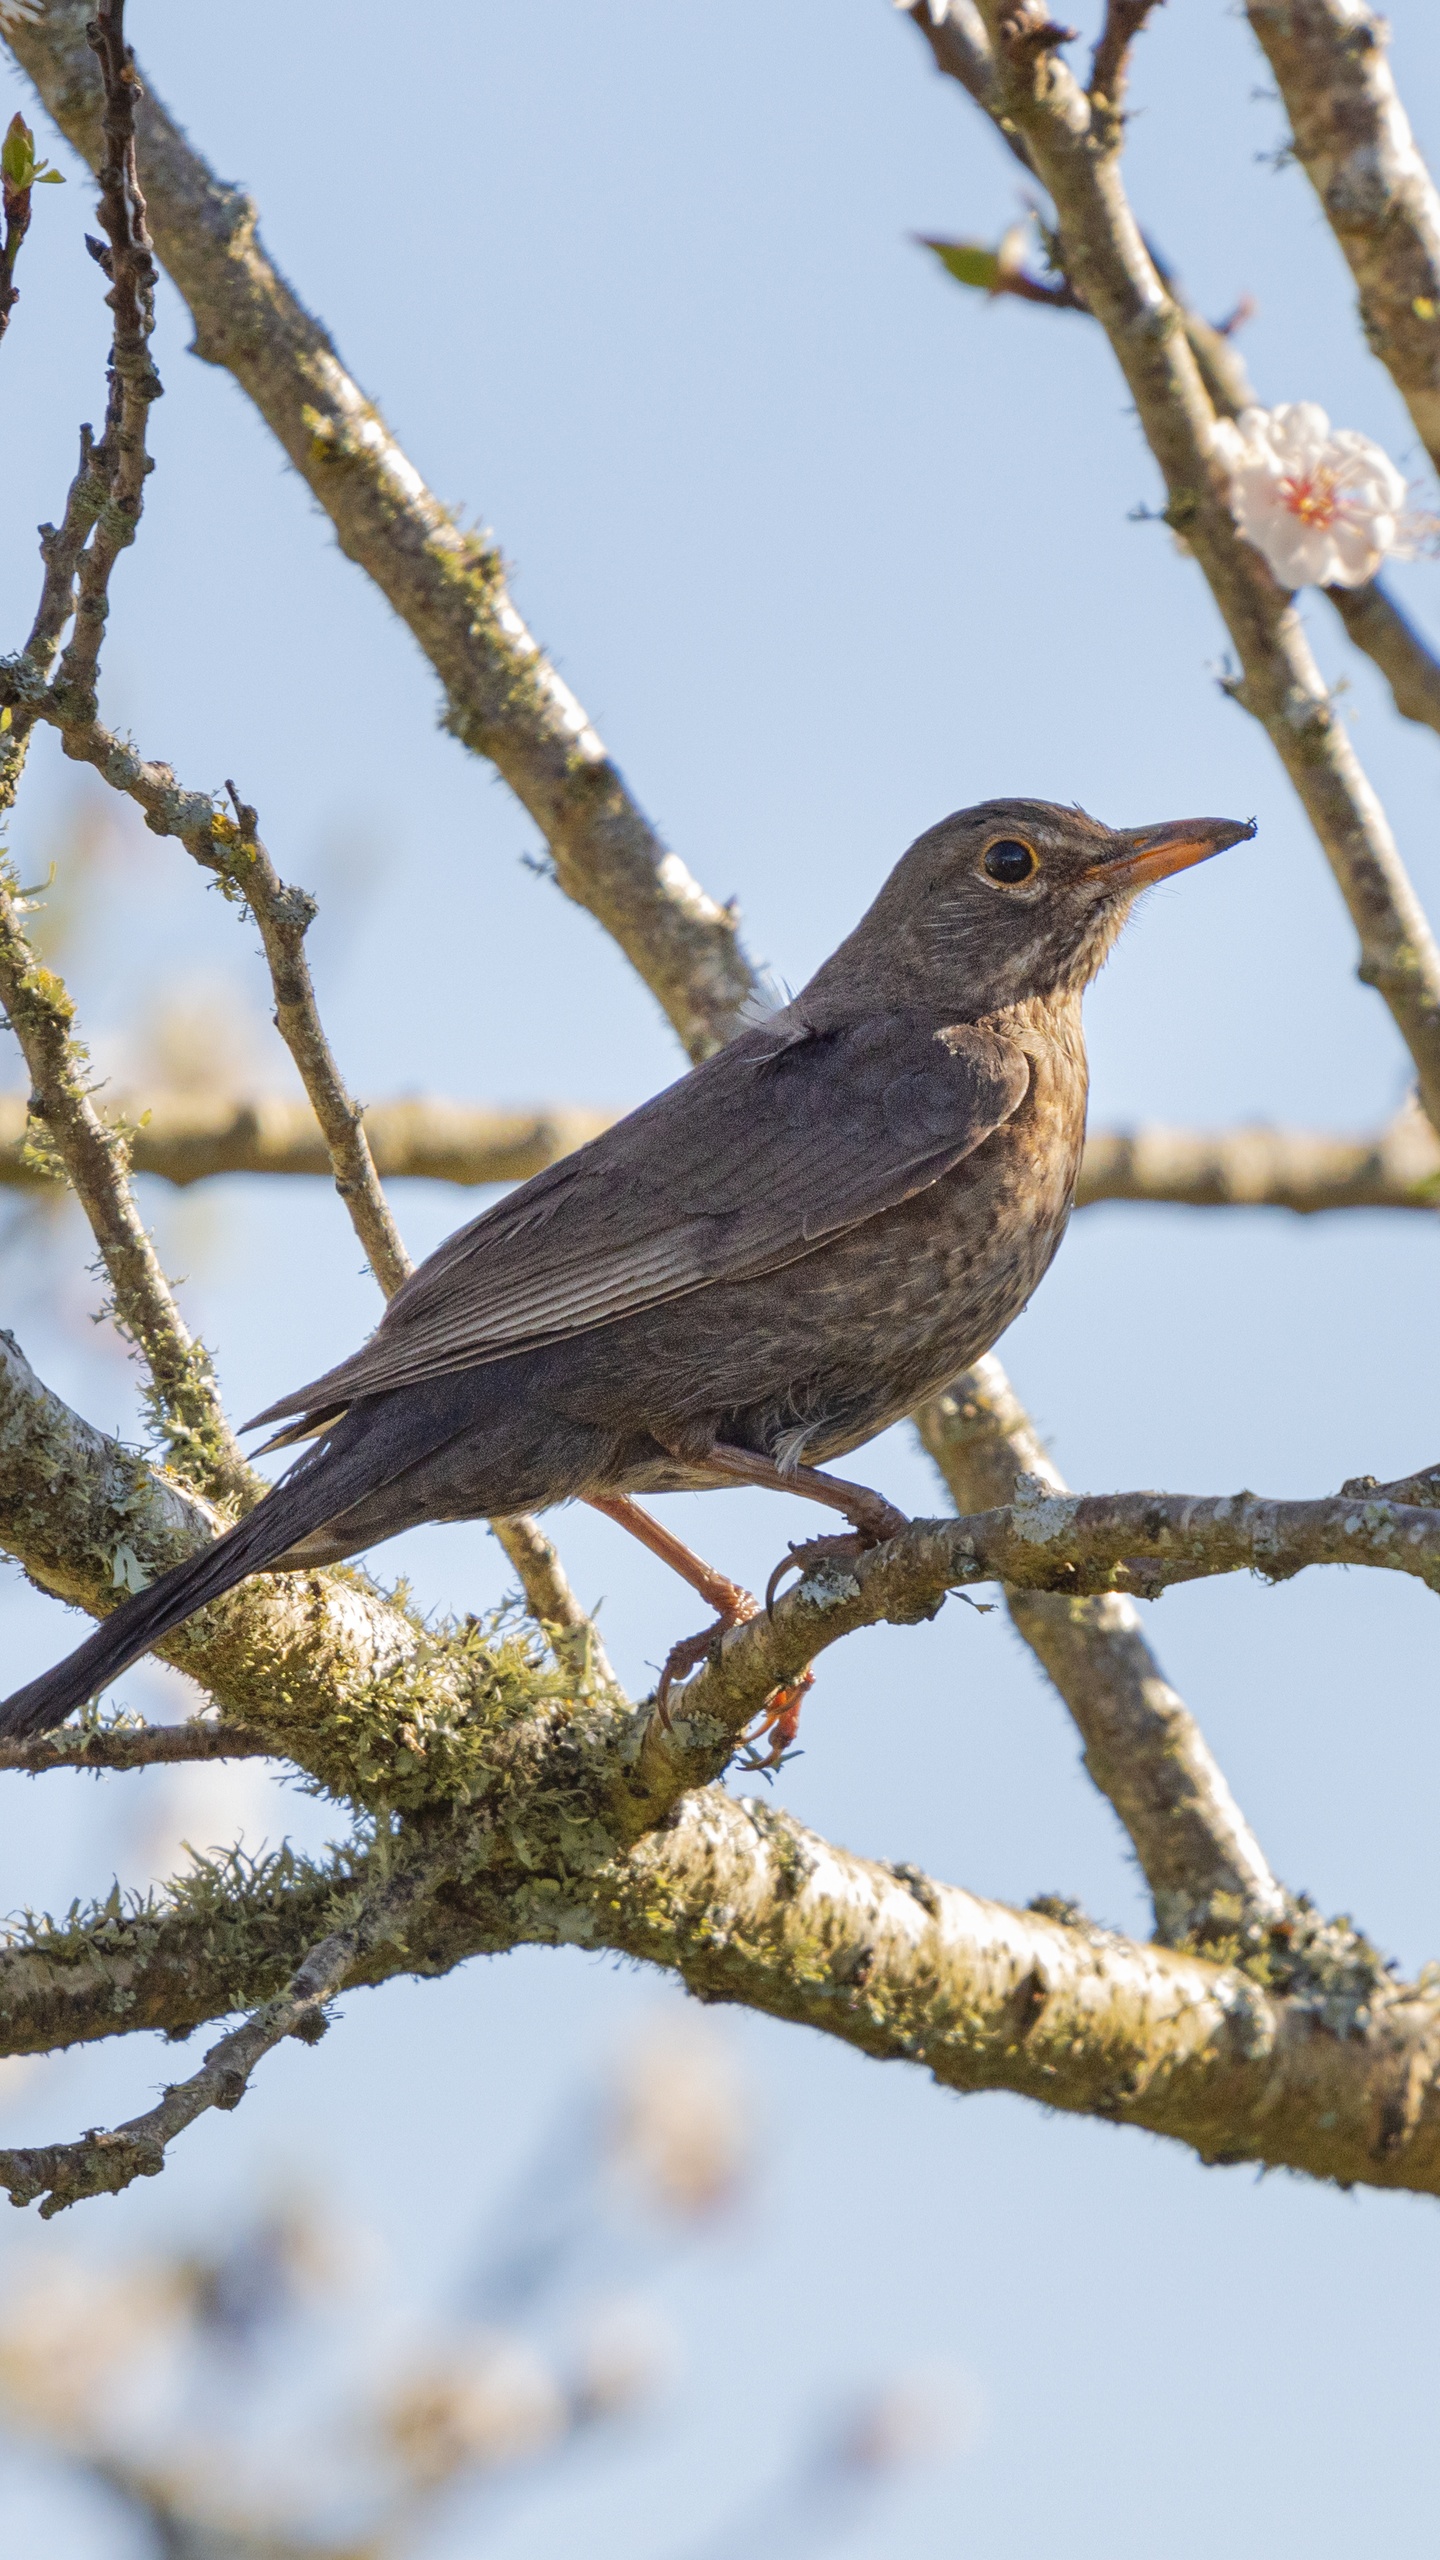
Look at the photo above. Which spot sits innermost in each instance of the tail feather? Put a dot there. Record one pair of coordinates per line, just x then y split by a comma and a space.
297, 1506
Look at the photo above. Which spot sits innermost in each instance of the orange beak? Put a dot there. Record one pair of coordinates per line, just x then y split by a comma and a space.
1148, 854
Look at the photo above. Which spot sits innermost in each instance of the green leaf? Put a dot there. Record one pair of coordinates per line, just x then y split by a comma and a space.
968, 261
17, 153
49, 177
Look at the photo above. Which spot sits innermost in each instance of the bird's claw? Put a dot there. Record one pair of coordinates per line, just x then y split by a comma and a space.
691, 1651
779, 1720
805, 1552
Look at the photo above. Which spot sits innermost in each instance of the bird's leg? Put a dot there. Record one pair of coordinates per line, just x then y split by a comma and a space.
732, 1603
874, 1519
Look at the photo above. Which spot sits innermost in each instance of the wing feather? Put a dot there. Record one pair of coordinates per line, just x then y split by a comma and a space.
780, 1142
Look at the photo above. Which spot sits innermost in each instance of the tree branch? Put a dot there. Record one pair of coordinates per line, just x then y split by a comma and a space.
1353, 140
284, 917
1340, 2081
134, 1746
503, 698
1076, 156
1329, 2069
1205, 1868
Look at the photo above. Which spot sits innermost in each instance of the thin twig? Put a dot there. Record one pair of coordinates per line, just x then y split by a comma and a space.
571, 1634
135, 1746
1075, 1544
284, 916
102, 2163
1110, 64
20, 174
120, 457
65, 1130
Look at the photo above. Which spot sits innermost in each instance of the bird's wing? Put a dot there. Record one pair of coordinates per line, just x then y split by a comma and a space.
776, 1144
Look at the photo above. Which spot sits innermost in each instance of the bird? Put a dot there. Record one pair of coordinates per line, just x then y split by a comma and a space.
753, 1273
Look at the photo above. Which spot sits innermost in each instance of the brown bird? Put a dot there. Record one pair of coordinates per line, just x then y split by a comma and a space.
757, 1270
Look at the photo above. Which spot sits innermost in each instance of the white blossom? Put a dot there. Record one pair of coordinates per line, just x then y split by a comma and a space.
19, 13
1323, 505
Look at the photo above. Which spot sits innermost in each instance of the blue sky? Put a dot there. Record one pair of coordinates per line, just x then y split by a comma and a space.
826, 547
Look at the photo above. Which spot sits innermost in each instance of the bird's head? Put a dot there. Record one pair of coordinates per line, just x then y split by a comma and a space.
1014, 899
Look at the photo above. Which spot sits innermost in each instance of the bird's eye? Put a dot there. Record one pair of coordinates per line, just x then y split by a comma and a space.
1010, 861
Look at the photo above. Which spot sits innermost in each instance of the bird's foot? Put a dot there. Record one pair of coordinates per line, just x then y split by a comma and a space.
778, 1723
805, 1553
691, 1651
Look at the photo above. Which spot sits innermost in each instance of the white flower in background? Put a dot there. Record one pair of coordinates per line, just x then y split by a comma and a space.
1324, 506
19, 13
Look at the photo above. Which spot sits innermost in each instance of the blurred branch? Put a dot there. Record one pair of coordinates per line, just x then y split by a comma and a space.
504, 700
1353, 139
1204, 1866
1075, 153
166, 2511
1390, 640
185, 1138
1110, 64
1299, 1169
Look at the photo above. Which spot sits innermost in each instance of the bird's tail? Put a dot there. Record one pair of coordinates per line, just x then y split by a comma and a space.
298, 1505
